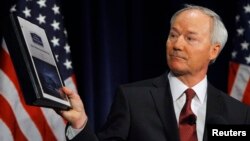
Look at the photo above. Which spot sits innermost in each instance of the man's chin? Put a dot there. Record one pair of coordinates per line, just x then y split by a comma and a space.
177, 72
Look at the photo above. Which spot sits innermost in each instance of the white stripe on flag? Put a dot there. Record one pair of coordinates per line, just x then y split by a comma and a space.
240, 82
11, 95
56, 123
70, 84
5, 134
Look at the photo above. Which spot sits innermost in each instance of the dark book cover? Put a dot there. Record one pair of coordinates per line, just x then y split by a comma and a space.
35, 64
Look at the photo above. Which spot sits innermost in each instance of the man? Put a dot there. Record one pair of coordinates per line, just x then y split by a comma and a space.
152, 110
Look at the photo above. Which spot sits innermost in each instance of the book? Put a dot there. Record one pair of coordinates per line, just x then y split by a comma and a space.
35, 64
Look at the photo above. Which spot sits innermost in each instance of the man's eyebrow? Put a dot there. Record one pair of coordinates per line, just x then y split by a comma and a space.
188, 32
192, 33
174, 29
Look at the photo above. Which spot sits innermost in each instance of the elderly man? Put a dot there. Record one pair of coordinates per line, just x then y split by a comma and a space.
176, 105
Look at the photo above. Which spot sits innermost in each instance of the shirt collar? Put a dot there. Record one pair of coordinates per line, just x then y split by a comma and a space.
177, 87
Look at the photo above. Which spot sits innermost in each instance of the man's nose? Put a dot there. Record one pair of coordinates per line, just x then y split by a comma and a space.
179, 43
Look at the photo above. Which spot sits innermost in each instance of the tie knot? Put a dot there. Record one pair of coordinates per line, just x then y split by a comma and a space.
190, 93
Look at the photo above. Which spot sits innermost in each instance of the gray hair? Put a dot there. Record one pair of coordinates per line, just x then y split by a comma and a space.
219, 32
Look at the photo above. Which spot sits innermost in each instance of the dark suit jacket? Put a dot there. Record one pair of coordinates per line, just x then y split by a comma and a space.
143, 111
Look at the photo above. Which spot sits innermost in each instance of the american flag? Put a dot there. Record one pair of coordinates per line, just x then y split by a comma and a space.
239, 71
19, 121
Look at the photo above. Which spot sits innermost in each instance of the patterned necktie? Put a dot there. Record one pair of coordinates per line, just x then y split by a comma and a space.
187, 120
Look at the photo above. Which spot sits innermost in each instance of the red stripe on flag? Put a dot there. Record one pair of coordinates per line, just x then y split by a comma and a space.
9, 119
35, 112
73, 76
246, 96
232, 75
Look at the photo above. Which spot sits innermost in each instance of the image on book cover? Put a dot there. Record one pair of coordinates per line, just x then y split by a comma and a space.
49, 78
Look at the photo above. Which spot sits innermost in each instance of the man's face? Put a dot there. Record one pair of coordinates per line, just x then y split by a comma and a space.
189, 48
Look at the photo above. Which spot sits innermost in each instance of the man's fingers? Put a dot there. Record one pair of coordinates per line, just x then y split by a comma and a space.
68, 91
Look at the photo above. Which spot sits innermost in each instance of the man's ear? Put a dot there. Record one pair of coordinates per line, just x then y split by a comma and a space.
215, 51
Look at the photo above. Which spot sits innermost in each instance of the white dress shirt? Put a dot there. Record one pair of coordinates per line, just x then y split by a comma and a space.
198, 104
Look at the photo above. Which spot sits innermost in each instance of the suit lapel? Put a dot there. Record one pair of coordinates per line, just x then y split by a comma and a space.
214, 107
164, 105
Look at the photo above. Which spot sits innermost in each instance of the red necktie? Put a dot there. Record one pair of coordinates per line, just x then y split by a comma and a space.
187, 120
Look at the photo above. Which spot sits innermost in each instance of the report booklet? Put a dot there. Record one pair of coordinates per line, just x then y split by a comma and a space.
35, 64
